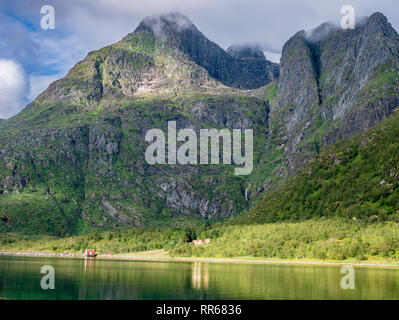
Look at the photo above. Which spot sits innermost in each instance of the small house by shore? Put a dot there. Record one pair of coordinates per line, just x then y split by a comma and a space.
90, 253
199, 242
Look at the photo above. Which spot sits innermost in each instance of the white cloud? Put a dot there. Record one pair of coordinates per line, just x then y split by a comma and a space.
14, 88
272, 56
96, 23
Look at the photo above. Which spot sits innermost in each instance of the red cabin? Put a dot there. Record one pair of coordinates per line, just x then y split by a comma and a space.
90, 253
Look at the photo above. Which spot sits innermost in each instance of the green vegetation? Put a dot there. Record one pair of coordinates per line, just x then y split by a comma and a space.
121, 241
336, 239
331, 239
356, 178
271, 91
384, 84
342, 207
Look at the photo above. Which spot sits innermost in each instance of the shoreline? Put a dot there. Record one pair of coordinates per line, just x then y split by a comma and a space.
122, 257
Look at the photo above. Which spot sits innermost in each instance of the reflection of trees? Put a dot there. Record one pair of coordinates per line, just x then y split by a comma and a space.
89, 264
200, 278
101, 279
134, 280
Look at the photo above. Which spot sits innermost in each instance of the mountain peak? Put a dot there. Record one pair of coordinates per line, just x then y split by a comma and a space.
163, 24
321, 32
377, 17
250, 70
377, 22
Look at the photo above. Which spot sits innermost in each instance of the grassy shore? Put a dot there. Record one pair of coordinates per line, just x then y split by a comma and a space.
163, 255
334, 240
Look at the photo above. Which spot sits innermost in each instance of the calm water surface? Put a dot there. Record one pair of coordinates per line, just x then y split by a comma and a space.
101, 279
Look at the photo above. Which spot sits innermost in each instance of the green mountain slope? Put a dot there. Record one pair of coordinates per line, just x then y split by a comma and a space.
358, 178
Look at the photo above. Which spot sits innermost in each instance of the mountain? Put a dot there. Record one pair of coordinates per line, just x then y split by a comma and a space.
73, 160
334, 84
177, 31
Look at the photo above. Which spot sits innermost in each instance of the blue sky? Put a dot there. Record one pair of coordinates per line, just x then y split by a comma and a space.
31, 58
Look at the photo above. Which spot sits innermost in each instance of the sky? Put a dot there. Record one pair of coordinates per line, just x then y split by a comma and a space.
31, 57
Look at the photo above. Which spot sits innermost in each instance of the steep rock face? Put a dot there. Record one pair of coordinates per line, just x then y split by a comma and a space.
362, 89
297, 96
334, 84
348, 60
177, 31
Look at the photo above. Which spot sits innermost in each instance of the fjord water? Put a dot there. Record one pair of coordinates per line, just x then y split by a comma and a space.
110, 279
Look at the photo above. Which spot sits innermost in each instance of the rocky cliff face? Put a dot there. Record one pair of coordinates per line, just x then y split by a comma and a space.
334, 84
73, 159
